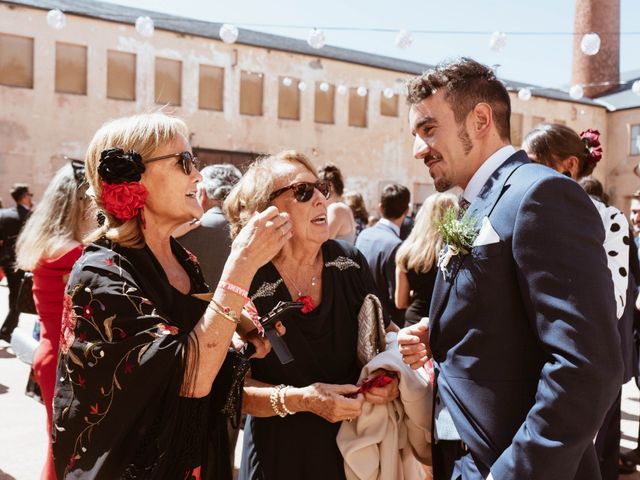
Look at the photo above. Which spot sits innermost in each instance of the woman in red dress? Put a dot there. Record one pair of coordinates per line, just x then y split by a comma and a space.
49, 245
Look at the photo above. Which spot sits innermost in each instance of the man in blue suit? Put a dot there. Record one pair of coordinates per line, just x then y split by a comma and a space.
522, 329
379, 245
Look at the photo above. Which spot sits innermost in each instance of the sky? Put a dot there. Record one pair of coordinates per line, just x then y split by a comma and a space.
541, 60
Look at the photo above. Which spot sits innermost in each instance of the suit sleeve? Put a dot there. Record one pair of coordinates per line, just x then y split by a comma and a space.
561, 268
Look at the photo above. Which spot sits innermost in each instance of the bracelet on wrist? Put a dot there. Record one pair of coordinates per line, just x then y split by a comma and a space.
274, 399
225, 312
283, 393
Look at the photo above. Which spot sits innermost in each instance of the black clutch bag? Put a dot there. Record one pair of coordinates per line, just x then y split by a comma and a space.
24, 302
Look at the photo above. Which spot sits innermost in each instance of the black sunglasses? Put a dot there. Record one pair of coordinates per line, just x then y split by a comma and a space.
186, 159
303, 191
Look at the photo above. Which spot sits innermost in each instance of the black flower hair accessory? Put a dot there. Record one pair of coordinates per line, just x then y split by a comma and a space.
117, 166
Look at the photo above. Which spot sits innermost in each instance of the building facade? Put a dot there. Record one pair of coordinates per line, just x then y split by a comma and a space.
259, 95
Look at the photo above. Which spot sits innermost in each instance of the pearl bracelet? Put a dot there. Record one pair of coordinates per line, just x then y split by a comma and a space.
274, 398
283, 392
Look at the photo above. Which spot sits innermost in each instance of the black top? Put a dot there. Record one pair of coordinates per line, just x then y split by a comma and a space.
421, 285
11, 222
118, 412
323, 343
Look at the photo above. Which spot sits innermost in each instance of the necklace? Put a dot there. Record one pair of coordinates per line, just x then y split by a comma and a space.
306, 299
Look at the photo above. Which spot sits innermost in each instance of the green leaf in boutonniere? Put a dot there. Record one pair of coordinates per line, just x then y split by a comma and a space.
457, 233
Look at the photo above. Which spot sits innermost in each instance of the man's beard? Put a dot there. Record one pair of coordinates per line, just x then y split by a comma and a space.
443, 183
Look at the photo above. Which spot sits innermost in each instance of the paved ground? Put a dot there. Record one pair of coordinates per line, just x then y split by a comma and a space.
22, 419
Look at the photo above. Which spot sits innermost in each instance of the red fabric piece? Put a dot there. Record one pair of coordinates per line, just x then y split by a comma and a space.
49, 279
308, 303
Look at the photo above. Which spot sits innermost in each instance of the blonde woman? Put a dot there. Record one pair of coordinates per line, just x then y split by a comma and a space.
416, 259
142, 338
48, 246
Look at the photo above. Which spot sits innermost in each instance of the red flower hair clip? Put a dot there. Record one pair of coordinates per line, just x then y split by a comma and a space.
591, 140
123, 196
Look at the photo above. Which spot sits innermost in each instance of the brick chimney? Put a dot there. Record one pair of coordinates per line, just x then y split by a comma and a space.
603, 18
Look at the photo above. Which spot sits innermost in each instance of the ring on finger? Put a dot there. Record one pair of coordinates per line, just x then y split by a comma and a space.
349, 419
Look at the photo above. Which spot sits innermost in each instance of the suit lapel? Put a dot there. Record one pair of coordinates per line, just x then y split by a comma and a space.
481, 207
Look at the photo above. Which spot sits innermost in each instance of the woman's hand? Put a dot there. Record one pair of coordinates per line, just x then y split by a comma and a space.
384, 394
260, 239
328, 401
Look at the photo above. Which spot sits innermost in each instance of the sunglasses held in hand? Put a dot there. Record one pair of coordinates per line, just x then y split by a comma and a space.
303, 191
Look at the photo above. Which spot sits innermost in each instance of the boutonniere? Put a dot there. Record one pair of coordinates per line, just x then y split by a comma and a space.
458, 234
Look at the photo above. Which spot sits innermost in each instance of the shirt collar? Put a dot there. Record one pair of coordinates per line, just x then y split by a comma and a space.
483, 173
389, 223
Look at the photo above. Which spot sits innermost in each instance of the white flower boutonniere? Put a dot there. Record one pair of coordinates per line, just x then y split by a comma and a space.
458, 234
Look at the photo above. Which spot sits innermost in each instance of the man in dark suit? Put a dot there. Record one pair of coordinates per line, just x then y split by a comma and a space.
210, 241
11, 222
523, 328
380, 243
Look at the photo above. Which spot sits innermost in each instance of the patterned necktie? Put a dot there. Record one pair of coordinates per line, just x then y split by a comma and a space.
463, 203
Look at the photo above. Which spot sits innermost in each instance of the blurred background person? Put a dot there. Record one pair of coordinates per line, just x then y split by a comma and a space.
634, 216
360, 214
576, 156
342, 225
379, 244
417, 257
49, 245
12, 220
210, 242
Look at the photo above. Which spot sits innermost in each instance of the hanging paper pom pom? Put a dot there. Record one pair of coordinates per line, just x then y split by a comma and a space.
228, 33
286, 81
324, 86
342, 90
56, 19
144, 26
404, 39
302, 86
361, 91
524, 94
388, 92
576, 92
590, 44
635, 88
498, 41
316, 38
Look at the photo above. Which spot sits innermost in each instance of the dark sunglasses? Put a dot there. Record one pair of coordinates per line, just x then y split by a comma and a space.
186, 159
303, 191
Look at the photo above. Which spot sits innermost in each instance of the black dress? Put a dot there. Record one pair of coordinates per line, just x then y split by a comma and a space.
421, 285
323, 343
118, 412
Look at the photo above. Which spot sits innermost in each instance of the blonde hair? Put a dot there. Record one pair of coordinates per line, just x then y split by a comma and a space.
419, 251
251, 193
144, 134
55, 220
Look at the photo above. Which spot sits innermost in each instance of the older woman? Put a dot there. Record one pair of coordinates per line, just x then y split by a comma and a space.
142, 339
295, 408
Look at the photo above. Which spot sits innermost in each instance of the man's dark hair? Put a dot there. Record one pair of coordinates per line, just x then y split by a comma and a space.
18, 190
466, 83
594, 188
394, 201
333, 175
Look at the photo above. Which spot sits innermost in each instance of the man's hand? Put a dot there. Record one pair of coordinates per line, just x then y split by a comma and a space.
413, 343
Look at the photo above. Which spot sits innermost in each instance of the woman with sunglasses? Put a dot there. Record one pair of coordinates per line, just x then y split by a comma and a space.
295, 409
144, 373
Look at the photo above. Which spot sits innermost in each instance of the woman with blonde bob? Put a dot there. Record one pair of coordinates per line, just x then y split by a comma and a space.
295, 409
417, 256
142, 338
49, 245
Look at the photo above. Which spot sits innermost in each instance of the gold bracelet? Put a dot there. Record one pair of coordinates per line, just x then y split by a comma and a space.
226, 312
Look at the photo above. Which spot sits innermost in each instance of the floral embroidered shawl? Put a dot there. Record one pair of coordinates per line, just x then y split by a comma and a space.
125, 335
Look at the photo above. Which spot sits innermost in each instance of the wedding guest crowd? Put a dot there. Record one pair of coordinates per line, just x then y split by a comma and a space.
518, 296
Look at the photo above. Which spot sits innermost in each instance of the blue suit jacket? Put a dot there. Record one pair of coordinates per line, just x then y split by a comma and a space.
523, 331
379, 244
